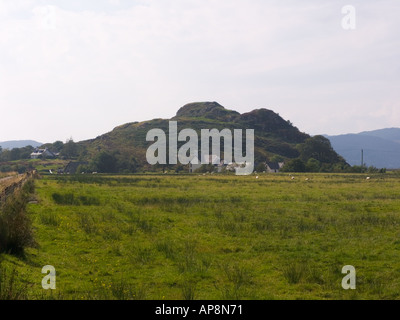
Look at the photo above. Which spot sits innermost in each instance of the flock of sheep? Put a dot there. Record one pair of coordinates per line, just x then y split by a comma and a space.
307, 179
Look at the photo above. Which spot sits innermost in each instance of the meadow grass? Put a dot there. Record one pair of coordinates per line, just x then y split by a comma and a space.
213, 237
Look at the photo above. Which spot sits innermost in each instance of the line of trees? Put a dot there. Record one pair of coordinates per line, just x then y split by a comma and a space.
68, 150
317, 155
106, 162
15, 154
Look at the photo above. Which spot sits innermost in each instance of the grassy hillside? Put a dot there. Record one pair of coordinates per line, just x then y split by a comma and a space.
212, 237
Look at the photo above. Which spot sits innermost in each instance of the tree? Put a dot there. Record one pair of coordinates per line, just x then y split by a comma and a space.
70, 149
57, 146
126, 164
15, 154
357, 169
82, 169
5, 155
319, 148
313, 165
25, 152
294, 165
260, 167
277, 158
105, 163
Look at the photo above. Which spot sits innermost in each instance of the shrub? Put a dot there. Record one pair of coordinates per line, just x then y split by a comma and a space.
167, 248
69, 199
49, 219
239, 277
125, 291
294, 165
144, 255
188, 290
64, 199
294, 272
89, 201
87, 223
15, 226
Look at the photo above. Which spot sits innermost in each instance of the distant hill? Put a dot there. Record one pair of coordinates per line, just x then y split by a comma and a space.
274, 136
19, 144
391, 134
381, 147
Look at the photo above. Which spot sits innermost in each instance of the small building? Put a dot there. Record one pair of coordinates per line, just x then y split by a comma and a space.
212, 159
274, 167
195, 163
72, 166
42, 153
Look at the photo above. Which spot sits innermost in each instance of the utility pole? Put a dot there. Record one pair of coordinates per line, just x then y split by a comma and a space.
362, 158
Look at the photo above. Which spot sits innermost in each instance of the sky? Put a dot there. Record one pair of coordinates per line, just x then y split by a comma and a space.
77, 69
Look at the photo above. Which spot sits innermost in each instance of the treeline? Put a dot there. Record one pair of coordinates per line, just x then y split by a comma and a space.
9, 158
317, 155
313, 165
107, 162
314, 155
7, 155
68, 150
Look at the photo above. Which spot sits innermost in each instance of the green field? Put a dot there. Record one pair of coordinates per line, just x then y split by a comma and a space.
212, 237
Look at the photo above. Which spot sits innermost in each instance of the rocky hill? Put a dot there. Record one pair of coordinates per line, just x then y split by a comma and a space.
275, 138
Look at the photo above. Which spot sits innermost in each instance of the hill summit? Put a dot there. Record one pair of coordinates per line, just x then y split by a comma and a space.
211, 110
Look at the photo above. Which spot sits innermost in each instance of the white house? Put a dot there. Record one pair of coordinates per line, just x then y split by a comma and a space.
42, 153
195, 163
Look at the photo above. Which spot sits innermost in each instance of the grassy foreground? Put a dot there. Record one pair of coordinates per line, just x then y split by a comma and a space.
212, 237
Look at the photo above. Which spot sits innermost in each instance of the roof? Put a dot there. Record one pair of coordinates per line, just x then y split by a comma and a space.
213, 159
39, 152
73, 166
273, 165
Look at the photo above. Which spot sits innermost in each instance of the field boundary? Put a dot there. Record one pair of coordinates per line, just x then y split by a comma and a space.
10, 184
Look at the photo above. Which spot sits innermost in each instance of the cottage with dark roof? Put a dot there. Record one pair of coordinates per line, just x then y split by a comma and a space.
274, 167
42, 153
72, 167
